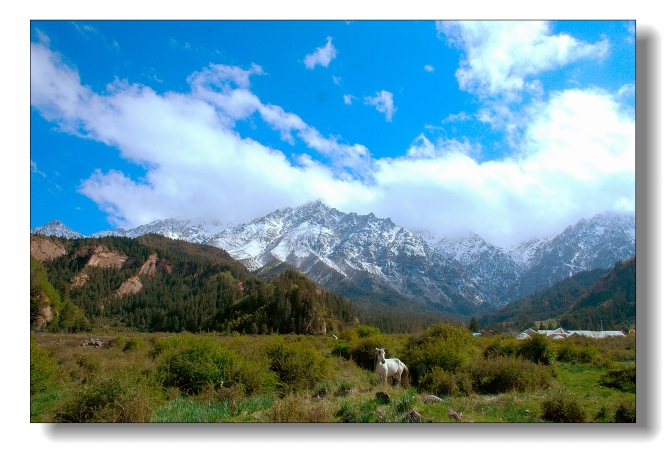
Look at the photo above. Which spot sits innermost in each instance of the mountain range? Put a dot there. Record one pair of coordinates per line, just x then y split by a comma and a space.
353, 253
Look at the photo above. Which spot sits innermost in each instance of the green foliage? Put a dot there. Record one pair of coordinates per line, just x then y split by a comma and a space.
443, 383
501, 346
193, 363
563, 407
623, 378
405, 402
473, 325
42, 368
188, 410
133, 344
299, 365
626, 412
124, 397
508, 374
538, 348
447, 346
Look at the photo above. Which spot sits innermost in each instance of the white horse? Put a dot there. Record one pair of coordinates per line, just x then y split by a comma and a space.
389, 367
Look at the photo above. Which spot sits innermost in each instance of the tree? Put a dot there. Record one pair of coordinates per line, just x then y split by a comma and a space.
473, 325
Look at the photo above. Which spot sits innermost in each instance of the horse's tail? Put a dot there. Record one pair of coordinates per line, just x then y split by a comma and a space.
405, 376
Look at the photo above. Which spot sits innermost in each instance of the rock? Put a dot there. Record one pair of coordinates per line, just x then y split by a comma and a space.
383, 396
414, 416
432, 399
93, 342
454, 414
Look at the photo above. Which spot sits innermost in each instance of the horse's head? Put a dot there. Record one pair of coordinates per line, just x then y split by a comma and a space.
380, 355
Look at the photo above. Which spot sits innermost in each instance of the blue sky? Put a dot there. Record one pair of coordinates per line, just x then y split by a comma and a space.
508, 129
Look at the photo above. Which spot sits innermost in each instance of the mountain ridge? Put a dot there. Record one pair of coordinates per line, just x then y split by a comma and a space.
460, 275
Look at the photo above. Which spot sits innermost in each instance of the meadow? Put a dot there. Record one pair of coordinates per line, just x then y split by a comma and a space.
206, 377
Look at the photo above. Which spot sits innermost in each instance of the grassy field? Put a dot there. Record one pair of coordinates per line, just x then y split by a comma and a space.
137, 377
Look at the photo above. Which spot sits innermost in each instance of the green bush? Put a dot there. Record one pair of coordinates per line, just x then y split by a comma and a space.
447, 346
506, 374
42, 368
626, 412
623, 378
299, 366
193, 363
125, 397
538, 348
443, 383
501, 347
562, 407
133, 344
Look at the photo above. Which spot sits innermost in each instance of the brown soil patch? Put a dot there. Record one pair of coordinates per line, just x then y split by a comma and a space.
108, 259
79, 279
149, 267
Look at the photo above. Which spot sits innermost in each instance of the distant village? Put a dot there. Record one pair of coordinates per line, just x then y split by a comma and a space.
557, 334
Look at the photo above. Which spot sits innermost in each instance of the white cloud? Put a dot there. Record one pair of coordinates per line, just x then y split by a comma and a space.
501, 56
33, 168
577, 158
461, 117
322, 55
383, 102
347, 99
429, 68
337, 80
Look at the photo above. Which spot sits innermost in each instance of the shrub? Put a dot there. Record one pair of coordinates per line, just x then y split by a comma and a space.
362, 350
442, 383
446, 346
127, 397
562, 407
193, 363
538, 348
405, 403
298, 365
501, 347
626, 412
623, 378
505, 374
133, 344
42, 368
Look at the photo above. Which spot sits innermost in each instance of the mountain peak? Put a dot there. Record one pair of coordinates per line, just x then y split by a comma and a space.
58, 229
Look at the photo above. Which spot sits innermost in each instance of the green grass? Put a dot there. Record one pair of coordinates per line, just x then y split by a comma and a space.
346, 393
185, 409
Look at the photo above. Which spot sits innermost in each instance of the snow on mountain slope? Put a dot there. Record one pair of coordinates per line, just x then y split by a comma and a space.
329, 245
58, 229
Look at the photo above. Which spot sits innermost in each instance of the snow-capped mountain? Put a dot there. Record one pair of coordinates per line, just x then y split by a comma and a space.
57, 229
189, 231
333, 247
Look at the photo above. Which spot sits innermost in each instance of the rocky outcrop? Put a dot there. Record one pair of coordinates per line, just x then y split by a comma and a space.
45, 250
79, 279
130, 287
102, 258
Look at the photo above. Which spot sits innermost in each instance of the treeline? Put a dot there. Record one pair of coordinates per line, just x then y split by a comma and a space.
200, 288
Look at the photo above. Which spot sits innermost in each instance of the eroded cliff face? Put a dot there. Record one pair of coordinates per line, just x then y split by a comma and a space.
130, 287
45, 250
102, 258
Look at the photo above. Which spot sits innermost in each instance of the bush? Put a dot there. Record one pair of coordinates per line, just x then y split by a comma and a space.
298, 365
446, 346
42, 368
538, 348
443, 383
193, 363
501, 347
562, 407
133, 344
626, 412
622, 378
127, 397
362, 350
506, 374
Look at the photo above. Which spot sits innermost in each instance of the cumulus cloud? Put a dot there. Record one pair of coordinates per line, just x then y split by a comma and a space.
429, 68
576, 159
322, 55
502, 56
347, 99
383, 102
